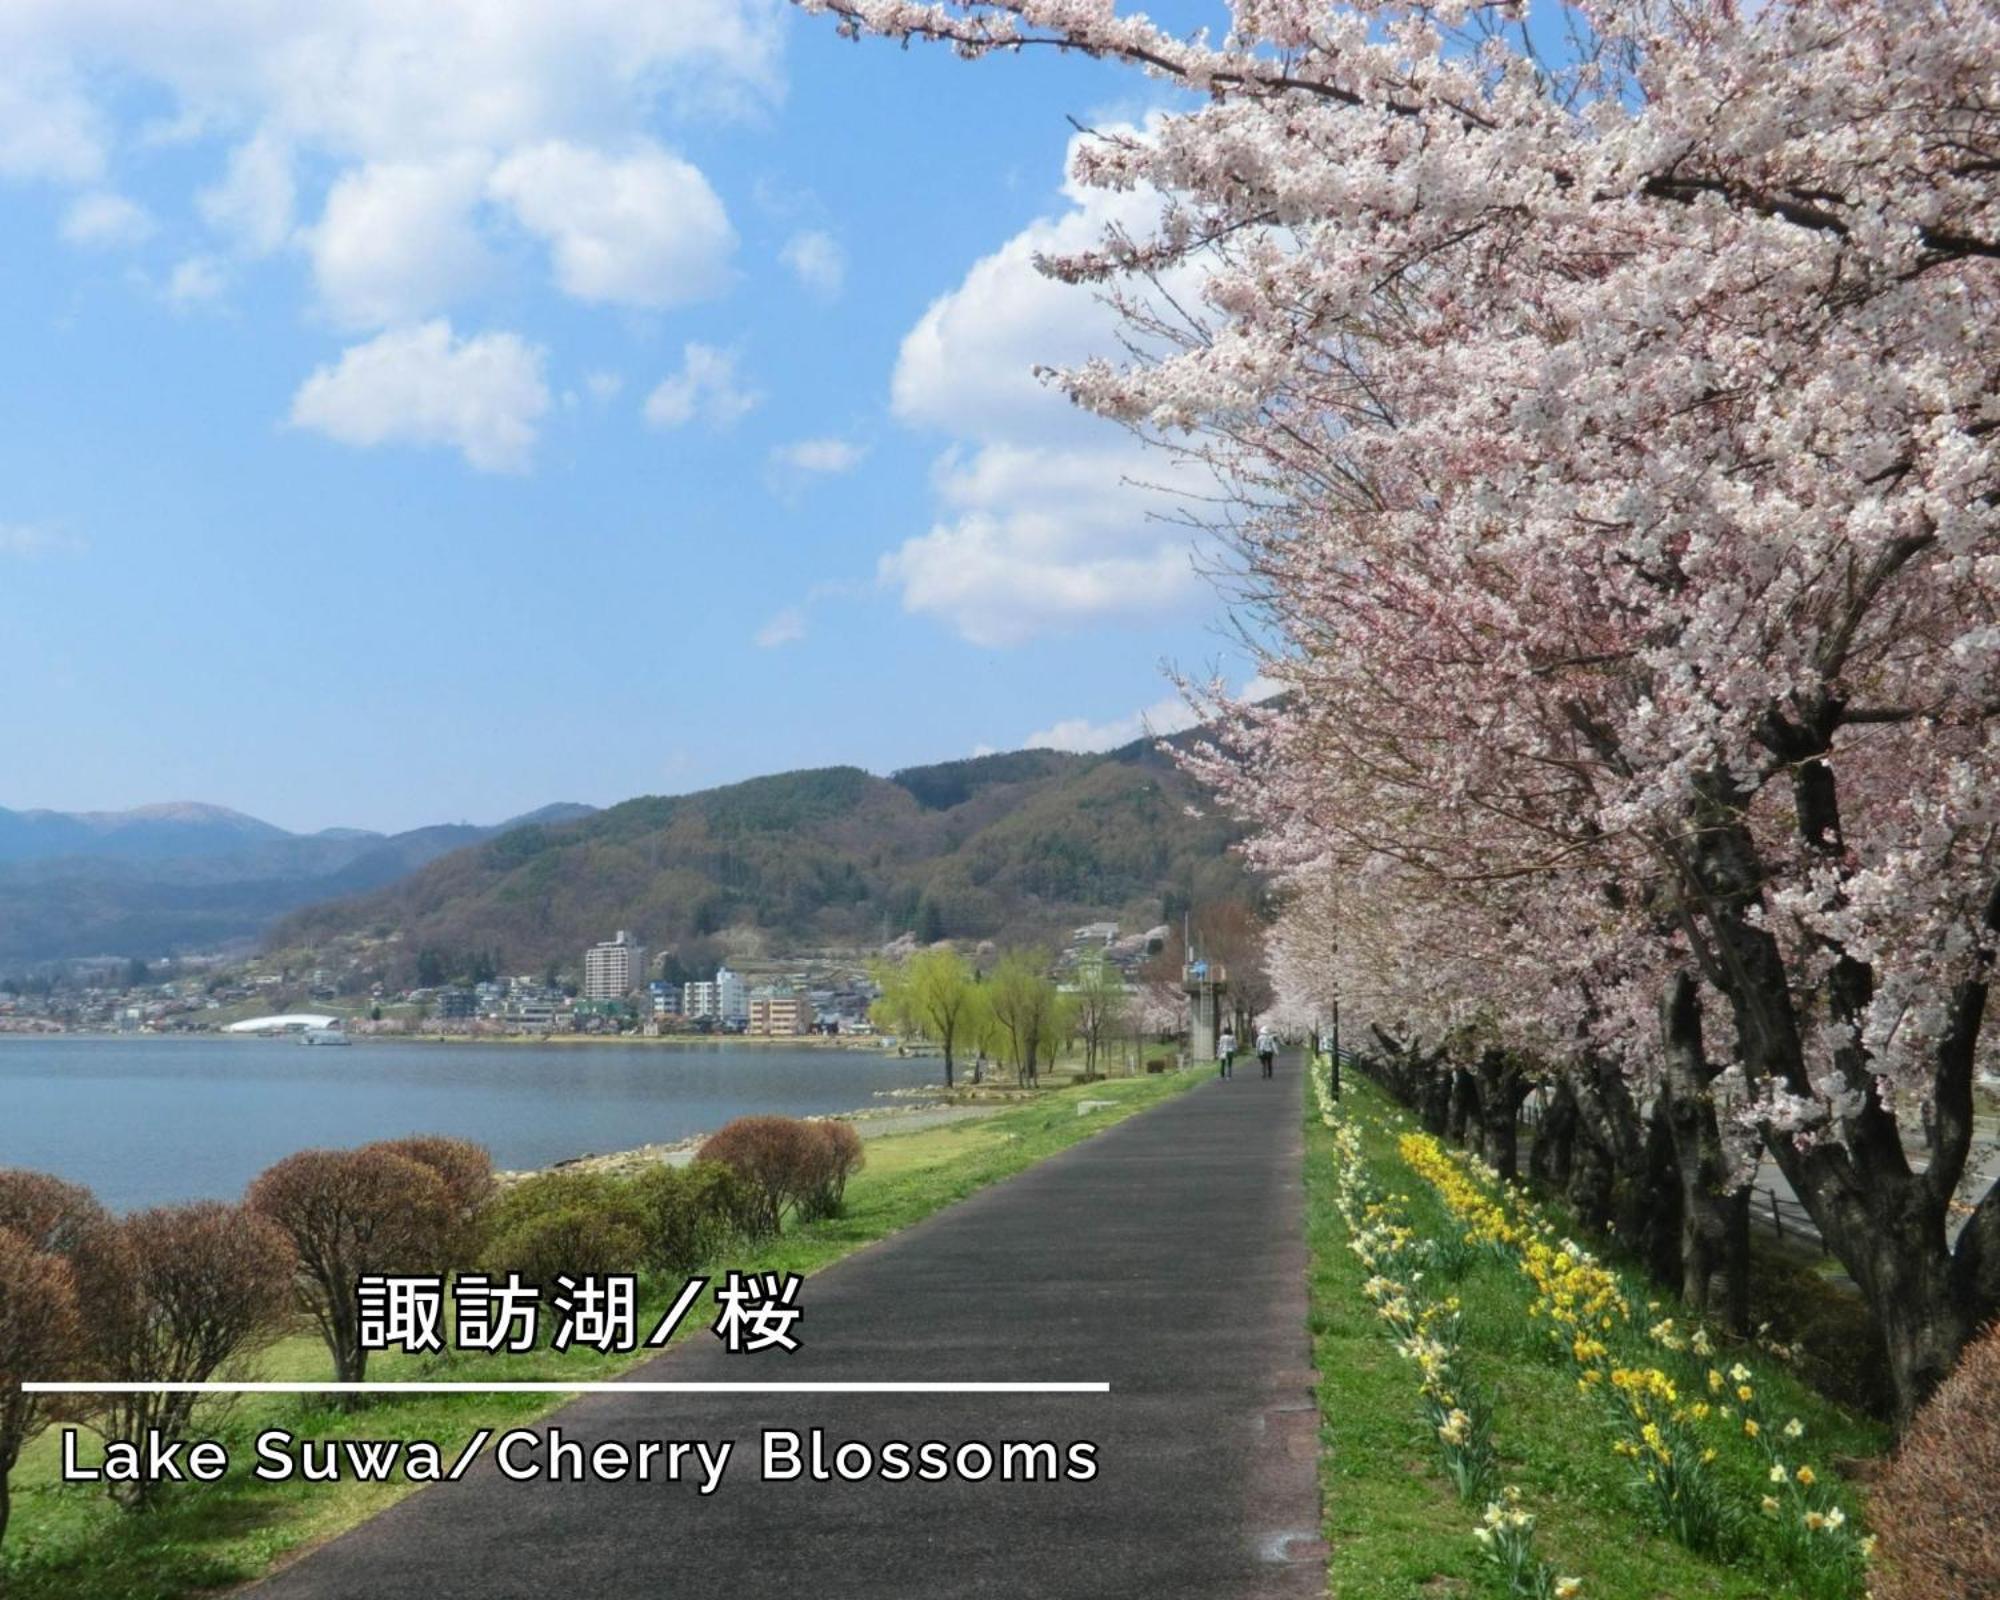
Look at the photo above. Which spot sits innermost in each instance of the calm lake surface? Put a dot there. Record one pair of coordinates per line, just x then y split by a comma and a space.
145, 1121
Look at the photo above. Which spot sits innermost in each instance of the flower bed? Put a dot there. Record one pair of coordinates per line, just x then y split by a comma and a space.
1672, 1412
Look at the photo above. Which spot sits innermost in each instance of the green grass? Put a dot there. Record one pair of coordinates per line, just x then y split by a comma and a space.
69, 1540
1394, 1528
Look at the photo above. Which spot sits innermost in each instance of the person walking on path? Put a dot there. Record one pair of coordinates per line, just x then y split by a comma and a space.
1267, 1049
1225, 1053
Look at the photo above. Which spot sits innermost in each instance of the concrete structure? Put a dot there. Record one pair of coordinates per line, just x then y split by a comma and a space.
1206, 985
779, 1013
292, 1022
614, 969
666, 999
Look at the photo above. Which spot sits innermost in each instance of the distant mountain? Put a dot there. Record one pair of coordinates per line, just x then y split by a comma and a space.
149, 833
164, 879
1023, 845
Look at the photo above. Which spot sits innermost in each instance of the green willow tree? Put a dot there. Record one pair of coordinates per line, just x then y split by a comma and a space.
930, 996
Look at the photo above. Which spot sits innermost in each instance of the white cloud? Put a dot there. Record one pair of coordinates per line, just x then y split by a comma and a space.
644, 229
382, 121
827, 456
363, 81
482, 396
787, 627
604, 387
254, 201
396, 240
102, 220
1048, 517
705, 387
817, 261
48, 127
199, 280
28, 540
1000, 579
1170, 715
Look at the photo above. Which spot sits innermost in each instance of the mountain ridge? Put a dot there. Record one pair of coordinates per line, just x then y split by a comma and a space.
1020, 845
189, 876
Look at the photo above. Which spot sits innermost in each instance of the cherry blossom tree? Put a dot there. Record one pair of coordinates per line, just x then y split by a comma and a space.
1604, 397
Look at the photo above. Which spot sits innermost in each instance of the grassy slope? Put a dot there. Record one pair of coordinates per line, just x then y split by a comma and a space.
1394, 1526
69, 1540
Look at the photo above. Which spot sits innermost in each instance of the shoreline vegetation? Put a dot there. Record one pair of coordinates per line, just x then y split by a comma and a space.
67, 1539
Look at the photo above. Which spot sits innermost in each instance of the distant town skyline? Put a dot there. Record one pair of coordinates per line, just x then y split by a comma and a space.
632, 401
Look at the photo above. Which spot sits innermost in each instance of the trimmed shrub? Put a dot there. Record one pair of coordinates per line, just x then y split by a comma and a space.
573, 1224
50, 1214
466, 1170
349, 1213
1938, 1509
778, 1159
189, 1288
40, 1334
689, 1214
838, 1155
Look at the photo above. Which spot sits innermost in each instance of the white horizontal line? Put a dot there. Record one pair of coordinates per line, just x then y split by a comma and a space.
163, 1387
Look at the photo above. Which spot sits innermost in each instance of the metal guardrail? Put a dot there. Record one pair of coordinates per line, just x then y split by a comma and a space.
1785, 1216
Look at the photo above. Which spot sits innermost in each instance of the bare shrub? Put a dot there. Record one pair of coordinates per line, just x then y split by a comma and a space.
52, 1215
574, 1224
350, 1212
777, 1157
40, 1330
466, 1169
188, 1288
838, 1154
1938, 1509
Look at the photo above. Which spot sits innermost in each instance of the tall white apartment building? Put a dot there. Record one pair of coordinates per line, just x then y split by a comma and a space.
724, 999
614, 969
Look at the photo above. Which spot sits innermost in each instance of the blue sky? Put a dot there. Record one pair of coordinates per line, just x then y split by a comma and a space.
422, 413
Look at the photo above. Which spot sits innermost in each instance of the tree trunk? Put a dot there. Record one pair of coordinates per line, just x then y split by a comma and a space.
1553, 1150
1461, 1105
1890, 1234
1501, 1086
1713, 1209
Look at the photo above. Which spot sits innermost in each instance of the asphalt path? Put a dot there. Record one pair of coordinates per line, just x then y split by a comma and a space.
1165, 1256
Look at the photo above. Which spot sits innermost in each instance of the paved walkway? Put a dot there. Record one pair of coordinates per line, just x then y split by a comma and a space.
1165, 1256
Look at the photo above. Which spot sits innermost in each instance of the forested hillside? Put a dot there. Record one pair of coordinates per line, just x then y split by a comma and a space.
1015, 846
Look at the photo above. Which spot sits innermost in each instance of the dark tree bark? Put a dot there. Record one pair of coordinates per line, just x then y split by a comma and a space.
1500, 1087
1553, 1148
1885, 1221
1461, 1105
1714, 1211
1623, 1177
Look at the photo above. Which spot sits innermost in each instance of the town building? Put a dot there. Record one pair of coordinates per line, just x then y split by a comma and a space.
779, 1013
613, 969
725, 999
530, 1013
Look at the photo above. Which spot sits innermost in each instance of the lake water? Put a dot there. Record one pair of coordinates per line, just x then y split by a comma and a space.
144, 1121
